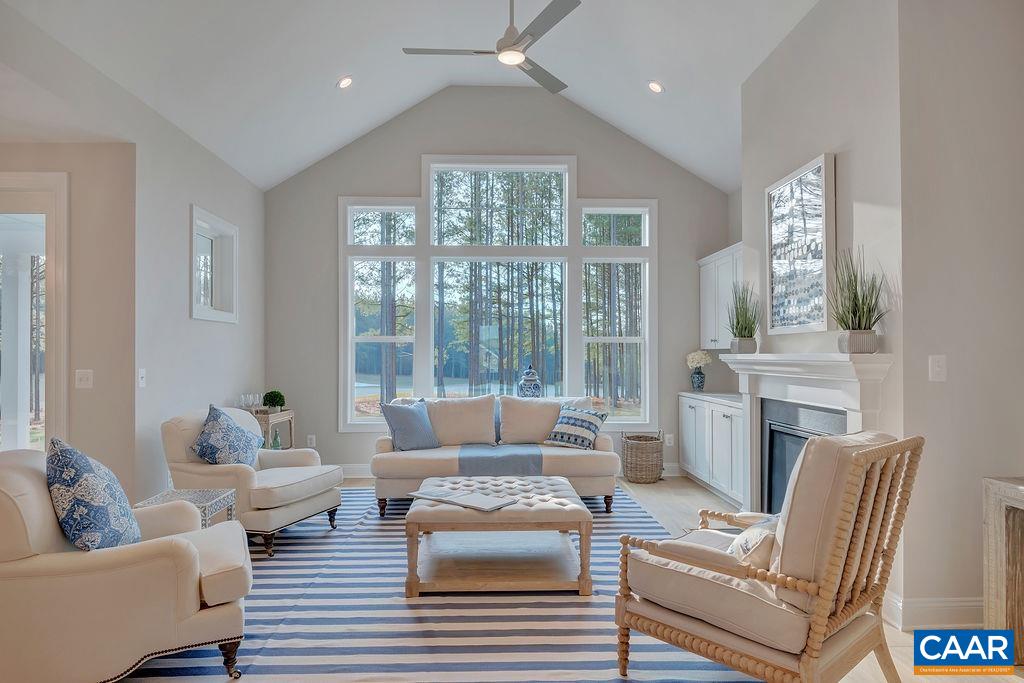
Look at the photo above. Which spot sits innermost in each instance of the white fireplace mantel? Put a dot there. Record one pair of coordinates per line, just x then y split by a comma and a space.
849, 382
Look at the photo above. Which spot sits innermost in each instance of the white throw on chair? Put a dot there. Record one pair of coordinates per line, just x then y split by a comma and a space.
283, 488
813, 610
71, 615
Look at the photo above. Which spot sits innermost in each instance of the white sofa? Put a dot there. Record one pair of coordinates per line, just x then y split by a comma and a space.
461, 421
76, 616
283, 488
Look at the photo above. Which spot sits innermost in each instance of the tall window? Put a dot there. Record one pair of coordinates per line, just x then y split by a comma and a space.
497, 268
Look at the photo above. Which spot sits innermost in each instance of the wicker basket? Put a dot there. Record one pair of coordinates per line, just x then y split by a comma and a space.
642, 458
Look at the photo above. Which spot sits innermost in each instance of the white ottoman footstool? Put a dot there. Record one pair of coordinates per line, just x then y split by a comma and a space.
480, 556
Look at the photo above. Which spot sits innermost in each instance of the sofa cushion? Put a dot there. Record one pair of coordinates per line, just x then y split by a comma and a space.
225, 571
92, 508
223, 441
810, 513
576, 427
444, 462
742, 606
283, 485
463, 420
530, 420
410, 426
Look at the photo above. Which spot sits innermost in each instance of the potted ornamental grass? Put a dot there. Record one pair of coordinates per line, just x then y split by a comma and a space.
744, 318
274, 401
855, 302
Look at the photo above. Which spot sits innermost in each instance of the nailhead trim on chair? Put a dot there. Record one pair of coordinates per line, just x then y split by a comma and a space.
160, 653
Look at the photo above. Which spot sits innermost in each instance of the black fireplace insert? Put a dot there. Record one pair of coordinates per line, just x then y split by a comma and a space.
785, 428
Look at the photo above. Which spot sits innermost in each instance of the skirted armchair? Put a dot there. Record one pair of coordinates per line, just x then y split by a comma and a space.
813, 610
283, 488
71, 615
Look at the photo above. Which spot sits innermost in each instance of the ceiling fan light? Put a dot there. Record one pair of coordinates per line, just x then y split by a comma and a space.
344, 81
511, 57
656, 87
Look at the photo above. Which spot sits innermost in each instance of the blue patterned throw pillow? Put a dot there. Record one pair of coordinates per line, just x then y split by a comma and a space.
576, 428
91, 506
225, 442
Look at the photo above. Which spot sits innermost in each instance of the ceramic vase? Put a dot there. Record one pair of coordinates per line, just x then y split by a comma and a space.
858, 341
697, 379
529, 385
743, 345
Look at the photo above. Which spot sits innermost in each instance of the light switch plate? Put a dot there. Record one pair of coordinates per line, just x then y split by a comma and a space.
937, 368
670, 440
83, 379
142, 378
310, 440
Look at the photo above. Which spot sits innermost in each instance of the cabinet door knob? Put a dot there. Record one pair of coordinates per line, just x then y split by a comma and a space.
726, 416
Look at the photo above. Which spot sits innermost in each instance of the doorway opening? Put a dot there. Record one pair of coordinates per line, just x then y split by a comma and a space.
33, 309
22, 330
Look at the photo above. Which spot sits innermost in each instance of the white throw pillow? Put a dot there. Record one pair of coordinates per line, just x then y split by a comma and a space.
754, 545
457, 421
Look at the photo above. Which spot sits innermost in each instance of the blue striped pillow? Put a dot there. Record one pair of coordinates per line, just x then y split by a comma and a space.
576, 428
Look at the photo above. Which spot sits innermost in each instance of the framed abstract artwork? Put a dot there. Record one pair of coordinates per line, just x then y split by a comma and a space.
800, 212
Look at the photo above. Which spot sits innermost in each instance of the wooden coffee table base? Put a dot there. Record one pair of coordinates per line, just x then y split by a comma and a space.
487, 557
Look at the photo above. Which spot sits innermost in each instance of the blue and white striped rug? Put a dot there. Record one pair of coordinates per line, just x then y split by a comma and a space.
331, 606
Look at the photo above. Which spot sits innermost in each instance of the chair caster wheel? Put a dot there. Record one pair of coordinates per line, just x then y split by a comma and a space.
235, 674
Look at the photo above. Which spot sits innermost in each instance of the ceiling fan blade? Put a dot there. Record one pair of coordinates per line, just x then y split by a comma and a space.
432, 51
545, 21
544, 78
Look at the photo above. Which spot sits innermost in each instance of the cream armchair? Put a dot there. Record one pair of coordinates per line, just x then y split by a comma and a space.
70, 615
283, 488
815, 611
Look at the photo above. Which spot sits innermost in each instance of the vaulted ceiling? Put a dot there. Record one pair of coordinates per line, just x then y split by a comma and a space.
254, 80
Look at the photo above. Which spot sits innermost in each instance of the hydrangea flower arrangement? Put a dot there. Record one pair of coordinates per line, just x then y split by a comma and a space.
698, 359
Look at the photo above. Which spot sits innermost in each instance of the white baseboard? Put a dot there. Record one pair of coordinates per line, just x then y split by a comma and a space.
362, 471
359, 471
908, 614
892, 611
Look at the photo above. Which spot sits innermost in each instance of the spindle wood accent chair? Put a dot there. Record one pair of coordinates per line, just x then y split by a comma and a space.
815, 611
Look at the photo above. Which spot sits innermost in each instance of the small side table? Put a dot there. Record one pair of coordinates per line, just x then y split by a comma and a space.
209, 501
268, 420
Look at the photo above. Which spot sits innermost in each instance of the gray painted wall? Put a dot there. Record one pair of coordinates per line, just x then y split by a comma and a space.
190, 363
302, 231
832, 86
962, 103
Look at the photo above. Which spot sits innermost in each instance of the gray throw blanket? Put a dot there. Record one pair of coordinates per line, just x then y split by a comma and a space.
515, 460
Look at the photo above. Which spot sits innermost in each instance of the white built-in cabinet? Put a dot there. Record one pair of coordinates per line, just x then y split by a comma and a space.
718, 273
711, 449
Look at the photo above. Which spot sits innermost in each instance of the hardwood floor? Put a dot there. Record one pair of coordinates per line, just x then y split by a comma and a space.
674, 502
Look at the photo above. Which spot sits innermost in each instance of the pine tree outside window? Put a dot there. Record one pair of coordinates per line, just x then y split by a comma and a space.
499, 266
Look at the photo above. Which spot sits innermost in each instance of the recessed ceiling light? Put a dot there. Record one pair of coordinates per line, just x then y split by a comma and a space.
344, 81
656, 87
511, 57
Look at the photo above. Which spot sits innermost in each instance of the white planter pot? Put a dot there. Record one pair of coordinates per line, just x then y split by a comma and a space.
274, 409
743, 345
858, 341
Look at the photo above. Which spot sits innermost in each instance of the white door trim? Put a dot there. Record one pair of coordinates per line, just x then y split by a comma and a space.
53, 186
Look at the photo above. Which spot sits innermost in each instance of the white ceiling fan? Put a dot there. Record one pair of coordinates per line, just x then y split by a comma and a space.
512, 46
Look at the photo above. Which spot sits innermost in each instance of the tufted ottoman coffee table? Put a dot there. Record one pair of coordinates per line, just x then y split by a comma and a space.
479, 554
